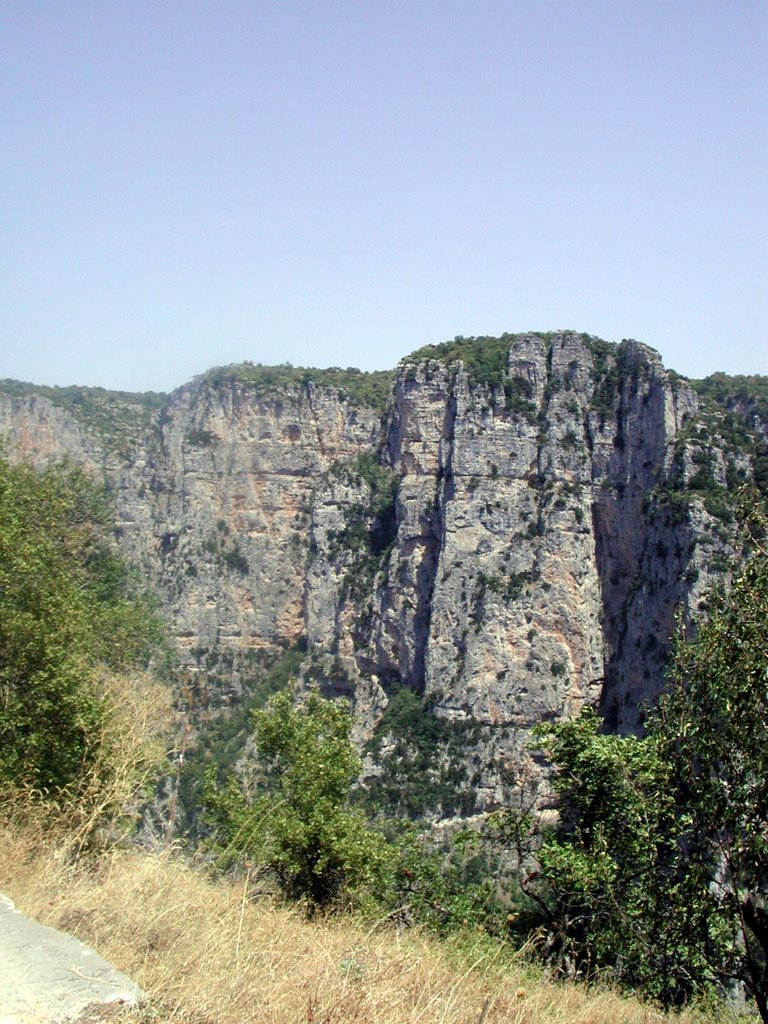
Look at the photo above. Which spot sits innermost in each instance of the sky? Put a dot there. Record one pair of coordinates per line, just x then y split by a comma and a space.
329, 183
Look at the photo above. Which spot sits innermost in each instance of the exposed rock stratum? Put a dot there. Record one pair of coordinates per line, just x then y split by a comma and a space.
510, 539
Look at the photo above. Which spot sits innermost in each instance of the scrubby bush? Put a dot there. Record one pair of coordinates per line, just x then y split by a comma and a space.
71, 623
300, 824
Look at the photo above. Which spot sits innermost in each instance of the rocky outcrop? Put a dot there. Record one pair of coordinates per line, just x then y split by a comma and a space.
510, 540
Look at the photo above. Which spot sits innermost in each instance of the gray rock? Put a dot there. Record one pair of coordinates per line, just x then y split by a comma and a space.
530, 563
47, 976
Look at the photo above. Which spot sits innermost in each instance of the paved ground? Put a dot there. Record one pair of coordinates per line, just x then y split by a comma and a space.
47, 976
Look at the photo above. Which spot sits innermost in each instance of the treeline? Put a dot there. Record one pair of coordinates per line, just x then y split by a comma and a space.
358, 387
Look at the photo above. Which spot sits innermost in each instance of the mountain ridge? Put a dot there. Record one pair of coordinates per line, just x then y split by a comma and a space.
506, 534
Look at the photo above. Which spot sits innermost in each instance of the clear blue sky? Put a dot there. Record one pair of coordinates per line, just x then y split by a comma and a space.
186, 184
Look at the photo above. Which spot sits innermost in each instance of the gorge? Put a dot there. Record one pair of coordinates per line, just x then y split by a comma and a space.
496, 534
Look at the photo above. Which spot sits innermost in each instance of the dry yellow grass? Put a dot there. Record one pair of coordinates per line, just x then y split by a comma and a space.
205, 954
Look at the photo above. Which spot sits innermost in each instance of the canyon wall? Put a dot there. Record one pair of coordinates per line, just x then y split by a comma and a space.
510, 543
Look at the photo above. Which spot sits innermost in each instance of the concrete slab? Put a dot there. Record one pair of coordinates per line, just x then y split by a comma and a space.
47, 977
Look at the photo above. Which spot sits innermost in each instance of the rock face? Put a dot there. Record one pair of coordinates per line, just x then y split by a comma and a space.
510, 542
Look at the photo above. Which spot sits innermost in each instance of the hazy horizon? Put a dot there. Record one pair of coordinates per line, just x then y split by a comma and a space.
313, 366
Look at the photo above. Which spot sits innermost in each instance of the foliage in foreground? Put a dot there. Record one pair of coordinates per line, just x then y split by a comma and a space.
611, 888
70, 623
299, 826
215, 951
712, 731
658, 872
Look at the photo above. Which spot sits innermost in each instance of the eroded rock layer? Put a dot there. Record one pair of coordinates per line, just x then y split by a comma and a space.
509, 536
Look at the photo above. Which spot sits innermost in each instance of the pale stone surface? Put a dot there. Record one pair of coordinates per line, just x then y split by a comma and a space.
47, 977
529, 566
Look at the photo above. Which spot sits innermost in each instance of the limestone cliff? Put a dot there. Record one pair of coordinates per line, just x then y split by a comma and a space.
508, 535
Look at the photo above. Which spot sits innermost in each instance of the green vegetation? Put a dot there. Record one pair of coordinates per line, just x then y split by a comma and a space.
371, 525
448, 888
484, 358
606, 376
220, 739
722, 449
226, 550
301, 825
732, 403
507, 587
117, 418
608, 887
235, 560
674, 498
658, 871
518, 393
68, 609
425, 770
200, 438
358, 387
716, 498
712, 731
729, 391
366, 467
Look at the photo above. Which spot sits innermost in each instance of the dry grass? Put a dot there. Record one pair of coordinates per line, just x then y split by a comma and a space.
206, 954
125, 755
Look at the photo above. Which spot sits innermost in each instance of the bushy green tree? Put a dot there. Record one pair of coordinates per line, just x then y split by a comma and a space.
712, 730
446, 887
301, 824
658, 869
611, 884
67, 608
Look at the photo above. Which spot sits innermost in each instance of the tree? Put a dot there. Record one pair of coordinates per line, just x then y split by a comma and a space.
301, 825
610, 884
658, 869
67, 609
298, 823
712, 730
